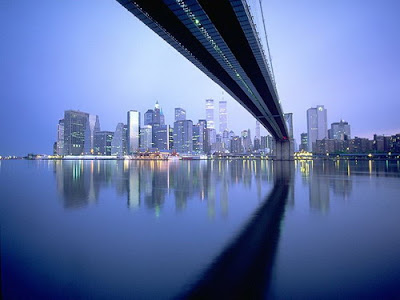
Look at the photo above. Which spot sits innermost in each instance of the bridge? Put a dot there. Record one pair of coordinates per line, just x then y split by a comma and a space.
219, 38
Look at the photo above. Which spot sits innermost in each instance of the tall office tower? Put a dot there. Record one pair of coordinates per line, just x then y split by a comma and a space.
289, 123
162, 117
197, 144
103, 142
92, 126
203, 124
133, 141
183, 136
117, 143
236, 145
160, 137
225, 139
258, 133
146, 137
223, 116
340, 131
212, 136
246, 140
210, 113
170, 137
74, 132
303, 142
180, 114
60, 138
125, 140
199, 136
316, 125
148, 117
257, 143
157, 114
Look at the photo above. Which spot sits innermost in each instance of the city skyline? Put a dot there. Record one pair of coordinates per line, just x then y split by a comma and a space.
60, 69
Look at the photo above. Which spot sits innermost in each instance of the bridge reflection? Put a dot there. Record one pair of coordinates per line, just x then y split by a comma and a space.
243, 269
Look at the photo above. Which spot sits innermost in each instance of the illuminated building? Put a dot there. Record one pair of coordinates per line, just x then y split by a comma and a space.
92, 126
146, 137
317, 128
210, 113
60, 138
133, 131
183, 136
340, 131
118, 144
103, 142
180, 114
74, 132
223, 116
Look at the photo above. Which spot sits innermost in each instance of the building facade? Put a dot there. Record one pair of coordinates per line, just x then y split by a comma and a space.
60, 138
183, 136
210, 113
133, 141
180, 114
223, 116
92, 126
316, 125
340, 131
103, 142
146, 137
74, 132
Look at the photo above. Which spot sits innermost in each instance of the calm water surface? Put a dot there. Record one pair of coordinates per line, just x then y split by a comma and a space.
162, 230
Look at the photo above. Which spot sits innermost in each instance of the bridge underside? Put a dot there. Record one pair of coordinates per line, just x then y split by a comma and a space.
220, 39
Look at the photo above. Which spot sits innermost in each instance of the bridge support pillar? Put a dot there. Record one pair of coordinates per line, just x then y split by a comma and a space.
283, 150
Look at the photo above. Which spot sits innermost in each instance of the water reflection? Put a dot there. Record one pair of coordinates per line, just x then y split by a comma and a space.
243, 269
150, 183
327, 178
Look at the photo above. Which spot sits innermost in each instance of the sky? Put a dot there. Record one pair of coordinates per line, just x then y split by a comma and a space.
95, 56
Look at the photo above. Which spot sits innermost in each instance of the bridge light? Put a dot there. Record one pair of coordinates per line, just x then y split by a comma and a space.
196, 21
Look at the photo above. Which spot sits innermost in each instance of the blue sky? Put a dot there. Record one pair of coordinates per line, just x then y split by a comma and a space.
95, 56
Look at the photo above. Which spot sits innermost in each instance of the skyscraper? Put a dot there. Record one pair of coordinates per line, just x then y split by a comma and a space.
74, 131
118, 141
180, 114
60, 138
203, 124
340, 131
146, 137
160, 137
223, 116
317, 128
199, 135
258, 133
103, 142
210, 113
183, 136
246, 140
148, 117
303, 142
92, 126
162, 117
157, 114
133, 131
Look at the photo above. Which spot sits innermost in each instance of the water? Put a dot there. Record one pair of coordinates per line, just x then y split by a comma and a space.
160, 230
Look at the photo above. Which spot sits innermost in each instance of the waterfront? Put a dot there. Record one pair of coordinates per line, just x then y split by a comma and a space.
152, 229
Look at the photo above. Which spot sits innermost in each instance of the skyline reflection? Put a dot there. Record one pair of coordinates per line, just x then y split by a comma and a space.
150, 183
